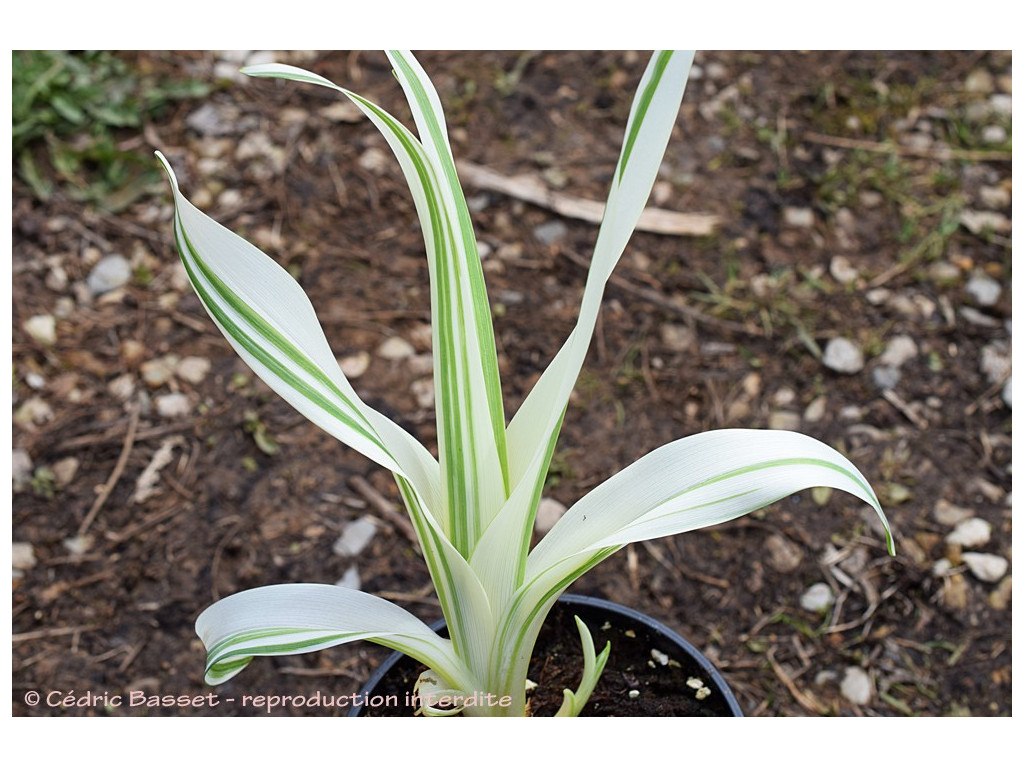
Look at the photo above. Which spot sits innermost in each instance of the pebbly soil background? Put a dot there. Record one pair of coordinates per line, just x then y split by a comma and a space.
854, 285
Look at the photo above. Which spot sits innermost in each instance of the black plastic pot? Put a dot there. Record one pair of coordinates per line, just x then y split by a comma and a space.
652, 671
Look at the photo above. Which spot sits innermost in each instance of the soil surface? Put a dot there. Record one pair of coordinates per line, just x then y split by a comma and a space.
863, 197
648, 672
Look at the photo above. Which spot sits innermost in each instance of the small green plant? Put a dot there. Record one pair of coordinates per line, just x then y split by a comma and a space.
66, 110
473, 507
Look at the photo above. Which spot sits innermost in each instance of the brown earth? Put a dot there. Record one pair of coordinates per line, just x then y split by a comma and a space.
803, 156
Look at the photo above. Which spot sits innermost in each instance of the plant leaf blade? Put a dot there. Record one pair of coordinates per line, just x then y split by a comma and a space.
268, 319
699, 481
287, 619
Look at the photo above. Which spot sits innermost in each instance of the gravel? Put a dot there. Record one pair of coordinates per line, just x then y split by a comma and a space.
899, 350
396, 348
42, 328
173, 405
986, 567
551, 232
972, 532
843, 356
355, 536
817, 598
23, 556
110, 273
549, 512
857, 686
984, 290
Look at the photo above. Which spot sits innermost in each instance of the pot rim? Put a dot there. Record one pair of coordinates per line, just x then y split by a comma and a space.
600, 604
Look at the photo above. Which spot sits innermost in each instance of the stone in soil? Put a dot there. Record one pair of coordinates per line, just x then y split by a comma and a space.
985, 566
549, 512
983, 290
551, 232
972, 532
109, 273
23, 556
817, 598
947, 513
396, 348
843, 356
173, 405
898, 351
856, 686
355, 536
42, 328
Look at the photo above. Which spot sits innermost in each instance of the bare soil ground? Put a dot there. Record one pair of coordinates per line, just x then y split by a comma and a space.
844, 186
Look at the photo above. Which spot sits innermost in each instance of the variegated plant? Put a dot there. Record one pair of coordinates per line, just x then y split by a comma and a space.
473, 507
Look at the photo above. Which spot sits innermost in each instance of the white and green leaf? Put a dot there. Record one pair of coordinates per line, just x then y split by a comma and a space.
692, 483
268, 319
288, 619
593, 665
695, 482
534, 430
470, 417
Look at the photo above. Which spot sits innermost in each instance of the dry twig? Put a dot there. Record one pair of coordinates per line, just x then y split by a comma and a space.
805, 699
943, 153
122, 462
40, 634
386, 509
903, 407
532, 190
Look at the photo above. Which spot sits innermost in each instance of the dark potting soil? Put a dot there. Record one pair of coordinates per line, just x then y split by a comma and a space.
644, 677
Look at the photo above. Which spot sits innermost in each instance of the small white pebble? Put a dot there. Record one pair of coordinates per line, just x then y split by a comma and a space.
817, 598
42, 328
985, 566
35, 410
983, 289
350, 579
355, 365
355, 536
898, 351
173, 405
423, 391
950, 514
64, 470
21, 466
159, 370
815, 411
843, 356
842, 270
192, 369
973, 532
396, 348
549, 512
802, 218
78, 545
23, 556
658, 656
634, 694
111, 272
694, 682
857, 686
